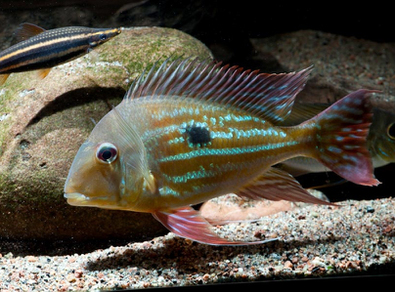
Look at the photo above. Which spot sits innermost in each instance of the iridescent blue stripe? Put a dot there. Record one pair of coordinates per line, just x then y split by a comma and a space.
227, 151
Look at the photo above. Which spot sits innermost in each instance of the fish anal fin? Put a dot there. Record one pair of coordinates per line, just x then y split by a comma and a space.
3, 78
275, 185
25, 31
188, 223
42, 73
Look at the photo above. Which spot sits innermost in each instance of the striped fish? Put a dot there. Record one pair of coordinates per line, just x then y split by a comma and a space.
190, 131
41, 49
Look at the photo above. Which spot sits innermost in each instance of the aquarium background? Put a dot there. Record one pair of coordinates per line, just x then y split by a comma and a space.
226, 28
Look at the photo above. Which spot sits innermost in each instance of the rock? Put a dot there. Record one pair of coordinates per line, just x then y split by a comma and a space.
43, 123
232, 208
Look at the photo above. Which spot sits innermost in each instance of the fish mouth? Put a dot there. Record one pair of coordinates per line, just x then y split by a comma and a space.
76, 199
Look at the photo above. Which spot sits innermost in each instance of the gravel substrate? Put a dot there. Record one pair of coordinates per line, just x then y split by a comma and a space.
314, 241
344, 61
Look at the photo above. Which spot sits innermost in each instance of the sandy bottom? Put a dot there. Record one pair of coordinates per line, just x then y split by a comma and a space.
314, 241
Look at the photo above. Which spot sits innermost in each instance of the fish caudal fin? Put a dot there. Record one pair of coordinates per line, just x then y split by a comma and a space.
341, 138
188, 223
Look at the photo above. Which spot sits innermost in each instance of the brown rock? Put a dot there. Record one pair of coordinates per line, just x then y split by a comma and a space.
43, 123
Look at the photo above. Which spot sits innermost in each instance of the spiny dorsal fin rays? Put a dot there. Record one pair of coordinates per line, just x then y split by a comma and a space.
269, 96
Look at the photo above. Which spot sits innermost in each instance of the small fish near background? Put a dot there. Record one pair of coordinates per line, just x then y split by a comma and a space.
40, 49
194, 130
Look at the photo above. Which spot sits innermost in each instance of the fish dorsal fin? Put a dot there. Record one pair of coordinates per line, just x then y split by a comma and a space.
25, 31
269, 96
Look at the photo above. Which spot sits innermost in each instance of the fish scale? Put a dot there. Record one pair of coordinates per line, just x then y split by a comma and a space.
190, 131
200, 168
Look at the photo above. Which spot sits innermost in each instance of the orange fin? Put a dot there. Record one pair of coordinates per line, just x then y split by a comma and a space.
42, 73
275, 185
188, 223
26, 30
341, 135
3, 78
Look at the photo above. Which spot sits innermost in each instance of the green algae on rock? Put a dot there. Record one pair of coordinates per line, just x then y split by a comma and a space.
43, 123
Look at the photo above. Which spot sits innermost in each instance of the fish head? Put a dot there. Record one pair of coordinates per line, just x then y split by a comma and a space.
108, 169
94, 178
100, 36
381, 137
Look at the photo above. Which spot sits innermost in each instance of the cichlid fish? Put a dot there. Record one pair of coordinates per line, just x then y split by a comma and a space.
41, 49
192, 131
380, 140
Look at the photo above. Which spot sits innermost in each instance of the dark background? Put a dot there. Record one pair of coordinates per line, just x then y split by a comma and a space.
230, 23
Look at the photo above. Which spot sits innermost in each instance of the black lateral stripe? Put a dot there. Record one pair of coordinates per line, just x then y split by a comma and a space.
49, 56
41, 62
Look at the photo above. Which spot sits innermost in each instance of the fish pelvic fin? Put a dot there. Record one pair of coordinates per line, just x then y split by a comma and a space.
341, 132
3, 78
188, 223
42, 73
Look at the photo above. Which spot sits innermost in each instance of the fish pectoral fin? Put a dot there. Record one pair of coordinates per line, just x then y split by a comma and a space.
25, 31
188, 223
42, 73
3, 78
150, 183
275, 185
93, 55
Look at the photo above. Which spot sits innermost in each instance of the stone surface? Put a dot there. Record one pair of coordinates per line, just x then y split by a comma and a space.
43, 123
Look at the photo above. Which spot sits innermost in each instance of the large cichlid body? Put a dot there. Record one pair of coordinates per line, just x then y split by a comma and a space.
195, 131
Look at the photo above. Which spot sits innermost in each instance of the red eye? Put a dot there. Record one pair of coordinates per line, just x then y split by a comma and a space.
107, 153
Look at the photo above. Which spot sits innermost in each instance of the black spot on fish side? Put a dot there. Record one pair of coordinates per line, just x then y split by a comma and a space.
198, 135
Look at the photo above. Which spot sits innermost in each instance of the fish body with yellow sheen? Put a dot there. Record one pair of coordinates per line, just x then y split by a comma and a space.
191, 131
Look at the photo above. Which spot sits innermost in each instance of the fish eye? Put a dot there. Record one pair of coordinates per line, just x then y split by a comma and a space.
391, 131
106, 153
